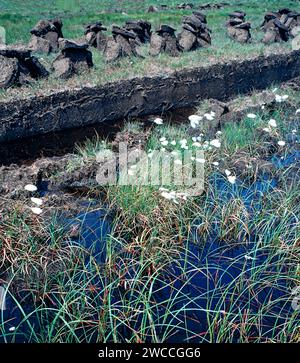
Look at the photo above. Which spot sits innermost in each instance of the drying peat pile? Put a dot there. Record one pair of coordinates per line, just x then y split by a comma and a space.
94, 35
141, 28
280, 26
187, 6
123, 43
164, 40
19, 67
74, 58
45, 36
237, 28
195, 33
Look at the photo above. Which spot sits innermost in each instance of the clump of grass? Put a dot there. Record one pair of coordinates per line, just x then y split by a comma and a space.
92, 148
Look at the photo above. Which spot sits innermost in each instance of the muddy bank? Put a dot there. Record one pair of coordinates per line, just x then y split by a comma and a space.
142, 96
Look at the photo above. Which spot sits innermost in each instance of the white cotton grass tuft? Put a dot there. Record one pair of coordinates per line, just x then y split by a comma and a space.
158, 121
195, 120
165, 142
215, 163
251, 115
272, 123
37, 201
36, 210
196, 144
209, 116
281, 143
173, 142
247, 257
231, 179
12, 328
280, 99
173, 195
30, 188
227, 172
216, 143
266, 129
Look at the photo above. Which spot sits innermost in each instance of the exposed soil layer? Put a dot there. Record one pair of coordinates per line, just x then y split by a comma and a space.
142, 96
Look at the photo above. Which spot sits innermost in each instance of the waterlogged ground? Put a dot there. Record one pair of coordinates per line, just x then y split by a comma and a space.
143, 264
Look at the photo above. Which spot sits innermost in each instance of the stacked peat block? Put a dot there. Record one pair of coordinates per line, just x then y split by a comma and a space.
18, 67
195, 33
123, 43
164, 40
74, 58
45, 36
237, 28
280, 26
141, 28
152, 9
95, 37
185, 6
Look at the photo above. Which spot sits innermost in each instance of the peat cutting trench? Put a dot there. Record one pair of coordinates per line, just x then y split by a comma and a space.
102, 107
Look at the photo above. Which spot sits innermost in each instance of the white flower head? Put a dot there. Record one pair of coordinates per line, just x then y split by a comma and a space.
36, 210
164, 143
30, 188
272, 123
197, 144
194, 120
247, 257
216, 143
215, 163
227, 172
209, 116
231, 179
158, 121
280, 99
37, 201
281, 143
251, 115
